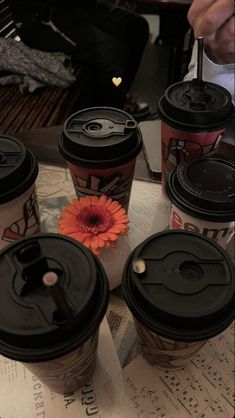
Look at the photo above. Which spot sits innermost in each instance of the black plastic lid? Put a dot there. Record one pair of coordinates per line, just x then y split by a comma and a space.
196, 106
31, 328
180, 285
99, 137
18, 168
204, 188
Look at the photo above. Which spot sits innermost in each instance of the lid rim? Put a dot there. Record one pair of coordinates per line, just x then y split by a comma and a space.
23, 187
194, 128
30, 354
168, 106
118, 161
180, 194
193, 210
220, 218
174, 334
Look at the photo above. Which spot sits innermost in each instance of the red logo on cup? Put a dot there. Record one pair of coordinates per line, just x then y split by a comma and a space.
29, 224
176, 221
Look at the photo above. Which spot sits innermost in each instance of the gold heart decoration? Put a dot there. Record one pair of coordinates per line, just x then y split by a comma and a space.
117, 81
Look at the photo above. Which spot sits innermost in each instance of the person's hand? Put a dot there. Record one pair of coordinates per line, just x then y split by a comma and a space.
214, 20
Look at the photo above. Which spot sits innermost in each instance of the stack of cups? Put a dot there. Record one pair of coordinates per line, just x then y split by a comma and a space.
202, 193
100, 145
180, 288
194, 115
19, 214
54, 296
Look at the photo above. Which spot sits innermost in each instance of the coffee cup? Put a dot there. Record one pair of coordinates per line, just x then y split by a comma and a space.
100, 145
52, 326
179, 287
202, 193
19, 213
194, 115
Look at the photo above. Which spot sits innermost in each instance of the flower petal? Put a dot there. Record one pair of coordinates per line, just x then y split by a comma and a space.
104, 236
119, 212
116, 229
71, 209
101, 242
82, 202
68, 229
102, 200
114, 207
87, 241
111, 236
92, 201
108, 203
94, 244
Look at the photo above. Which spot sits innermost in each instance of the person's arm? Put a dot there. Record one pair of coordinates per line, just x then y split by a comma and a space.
215, 73
214, 20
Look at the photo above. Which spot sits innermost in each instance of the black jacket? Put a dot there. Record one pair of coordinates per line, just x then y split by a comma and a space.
56, 10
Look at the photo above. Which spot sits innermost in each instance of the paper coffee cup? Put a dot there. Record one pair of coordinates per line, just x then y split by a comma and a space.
100, 145
202, 193
55, 338
180, 288
194, 115
164, 352
19, 212
71, 371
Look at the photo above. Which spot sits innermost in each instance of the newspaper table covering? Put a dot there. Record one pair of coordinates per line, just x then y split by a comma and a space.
22, 395
203, 389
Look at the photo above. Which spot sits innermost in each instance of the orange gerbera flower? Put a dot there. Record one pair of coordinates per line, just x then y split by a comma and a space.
97, 222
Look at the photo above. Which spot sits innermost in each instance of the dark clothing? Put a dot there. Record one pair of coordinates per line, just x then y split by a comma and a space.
26, 9
108, 41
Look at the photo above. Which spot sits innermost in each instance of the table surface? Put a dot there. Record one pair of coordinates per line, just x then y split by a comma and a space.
148, 213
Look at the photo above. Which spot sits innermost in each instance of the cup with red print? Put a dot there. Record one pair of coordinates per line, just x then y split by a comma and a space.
19, 211
100, 145
180, 288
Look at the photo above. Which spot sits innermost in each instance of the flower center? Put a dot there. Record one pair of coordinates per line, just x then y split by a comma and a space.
94, 219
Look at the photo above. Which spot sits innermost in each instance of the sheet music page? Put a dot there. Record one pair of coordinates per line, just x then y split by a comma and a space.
22, 395
203, 389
